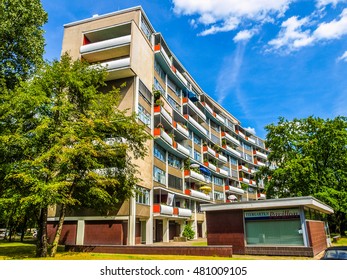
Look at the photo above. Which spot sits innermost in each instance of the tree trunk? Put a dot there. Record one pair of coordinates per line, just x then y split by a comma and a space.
24, 228
59, 230
41, 246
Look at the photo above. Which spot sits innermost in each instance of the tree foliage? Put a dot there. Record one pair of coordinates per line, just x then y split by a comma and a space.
21, 39
77, 147
311, 159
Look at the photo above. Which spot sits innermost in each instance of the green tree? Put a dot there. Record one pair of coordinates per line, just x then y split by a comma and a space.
21, 37
188, 232
310, 156
78, 147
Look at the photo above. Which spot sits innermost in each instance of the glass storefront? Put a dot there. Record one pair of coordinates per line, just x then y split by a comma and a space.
273, 227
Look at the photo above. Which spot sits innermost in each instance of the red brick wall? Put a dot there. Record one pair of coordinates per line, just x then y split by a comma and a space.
226, 228
317, 237
103, 233
68, 234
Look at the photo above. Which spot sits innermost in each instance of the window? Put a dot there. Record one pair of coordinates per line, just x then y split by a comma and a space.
197, 156
145, 28
215, 139
197, 139
145, 93
190, 134
173, 86
218, 181
159, 175
214, 126
174, 161
247, 147
159, 152
218, 195
144, 116
142, 195
233, 160
173, 103
175, 182
159, 70
157, 86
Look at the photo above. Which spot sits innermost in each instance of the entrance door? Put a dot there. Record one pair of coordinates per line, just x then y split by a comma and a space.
158, 230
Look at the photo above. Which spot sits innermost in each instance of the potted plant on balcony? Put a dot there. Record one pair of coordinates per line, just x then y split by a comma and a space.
224, 142
216, 148
160, 125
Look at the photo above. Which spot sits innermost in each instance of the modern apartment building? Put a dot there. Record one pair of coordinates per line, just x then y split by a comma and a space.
200, 153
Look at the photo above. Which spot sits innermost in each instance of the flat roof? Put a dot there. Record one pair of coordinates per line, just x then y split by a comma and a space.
307, 201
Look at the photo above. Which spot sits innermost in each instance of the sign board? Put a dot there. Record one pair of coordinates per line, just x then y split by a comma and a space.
277, 214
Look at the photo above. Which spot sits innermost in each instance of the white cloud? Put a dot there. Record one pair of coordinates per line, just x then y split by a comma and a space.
251, 130
226, 15
292, 36
323, 3
332, 30
343, 57
244, 35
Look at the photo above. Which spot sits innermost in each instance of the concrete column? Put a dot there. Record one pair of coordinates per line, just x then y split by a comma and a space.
132, 221
166, 237
182, 224
194, 223
150, 221
80, 232
303, 227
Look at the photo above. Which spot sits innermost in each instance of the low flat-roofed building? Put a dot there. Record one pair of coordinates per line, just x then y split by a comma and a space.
288, 226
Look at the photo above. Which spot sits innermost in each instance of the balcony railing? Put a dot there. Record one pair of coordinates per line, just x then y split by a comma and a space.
106, 44
197, 125
233, 151
194, 175
197, 194
210, 165
181, 129
116, 64
163, 134
230, 138
209, 151
221, 158
163, 209
208, 108
196, 109
184, 212
182, 149
163, 112
245, 180
224, 172
218, 117
234, 190
180, 76
260, 154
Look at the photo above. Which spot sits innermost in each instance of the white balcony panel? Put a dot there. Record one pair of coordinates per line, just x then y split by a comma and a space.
224, 172
165, 209
242, 135
182, 149
262, 196
166, 115
234, 151
198, 194
106, 44
253, 183
196, 109
210, 151
218, 117
208, 108
260, 163
197, 176
232, 139
166, 136
244, 168
182, 130
180, 76
260, 154
115, 64
212, 166
197, 125
184, 212
163, 52
245, 180
235, 190
251, 140
222, 158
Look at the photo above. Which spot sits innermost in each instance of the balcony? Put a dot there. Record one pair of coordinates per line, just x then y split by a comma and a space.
223, 172
163, 209
209, 151
230, 138
232, 150
244, 168
261, 196
259, 163
232, 189
116, 64
159, 48
245, 180
182, 149
196, 125
208, 108
219, 118
181, 129
242, 134
194, 175
180, 76
182, 212
161, 133
195, 108
211, 166
221, 158
197, 194
106, 49
260, 154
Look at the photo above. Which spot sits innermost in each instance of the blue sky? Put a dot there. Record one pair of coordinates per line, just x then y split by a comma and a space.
261, 59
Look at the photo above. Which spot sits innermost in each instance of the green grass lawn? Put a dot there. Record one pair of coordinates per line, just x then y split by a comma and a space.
26, 250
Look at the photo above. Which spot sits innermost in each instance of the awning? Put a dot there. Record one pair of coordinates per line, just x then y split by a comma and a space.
192, 96
205, 170
232, 197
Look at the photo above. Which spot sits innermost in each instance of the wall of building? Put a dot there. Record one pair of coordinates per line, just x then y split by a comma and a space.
317, 236
68, 235
226, 228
